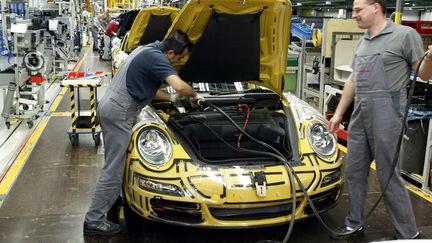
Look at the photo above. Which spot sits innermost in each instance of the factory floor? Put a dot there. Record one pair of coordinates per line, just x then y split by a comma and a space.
48, 189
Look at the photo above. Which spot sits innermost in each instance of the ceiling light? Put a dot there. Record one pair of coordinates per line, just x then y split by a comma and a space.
327, 2
299, 4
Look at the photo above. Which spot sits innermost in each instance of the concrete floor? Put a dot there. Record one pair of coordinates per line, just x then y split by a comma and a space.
48, 201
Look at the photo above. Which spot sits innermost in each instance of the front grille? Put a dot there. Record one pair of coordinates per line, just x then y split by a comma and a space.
252, 213
323, 201
177, 211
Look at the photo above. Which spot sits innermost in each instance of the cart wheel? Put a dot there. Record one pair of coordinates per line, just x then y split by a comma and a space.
8, 124
25, 107
30, 124
97, 139
73, 139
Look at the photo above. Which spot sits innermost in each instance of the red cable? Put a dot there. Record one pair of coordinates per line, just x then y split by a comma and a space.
240, 106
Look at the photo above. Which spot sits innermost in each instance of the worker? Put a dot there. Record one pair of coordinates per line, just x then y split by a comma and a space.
97, 28
110, 32
134, 85
381, 70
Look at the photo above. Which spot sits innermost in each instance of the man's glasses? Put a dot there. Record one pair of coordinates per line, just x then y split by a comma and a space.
358, 10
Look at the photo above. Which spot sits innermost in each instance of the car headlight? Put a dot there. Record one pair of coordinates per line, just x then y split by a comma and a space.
322, 142
154, 146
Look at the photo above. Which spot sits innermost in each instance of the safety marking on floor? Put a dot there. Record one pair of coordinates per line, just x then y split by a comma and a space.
419, 192
58, 99
17, 165
59, 113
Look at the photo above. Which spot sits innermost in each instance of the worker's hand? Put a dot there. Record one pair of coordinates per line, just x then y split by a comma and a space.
198, 97
177, 99
333, 124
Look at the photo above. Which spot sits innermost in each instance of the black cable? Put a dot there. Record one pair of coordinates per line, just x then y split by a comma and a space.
278, 156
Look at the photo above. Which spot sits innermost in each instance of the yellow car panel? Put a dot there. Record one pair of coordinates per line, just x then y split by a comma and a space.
140, 24
275, 22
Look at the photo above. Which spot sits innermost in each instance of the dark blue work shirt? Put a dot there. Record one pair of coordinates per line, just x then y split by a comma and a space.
147, 71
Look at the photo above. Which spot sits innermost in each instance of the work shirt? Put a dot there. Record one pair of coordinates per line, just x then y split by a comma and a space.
147, 71
111, 29
402, 46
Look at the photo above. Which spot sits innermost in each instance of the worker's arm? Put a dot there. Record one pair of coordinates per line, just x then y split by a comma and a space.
181, 86
162, 95
346, 100
425, 70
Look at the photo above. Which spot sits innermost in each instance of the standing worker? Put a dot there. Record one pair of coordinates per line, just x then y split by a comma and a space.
134, 86
381, 70
110, 32
97, 27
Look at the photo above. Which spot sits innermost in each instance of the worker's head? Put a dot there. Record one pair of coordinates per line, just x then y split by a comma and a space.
176, 46
365, 12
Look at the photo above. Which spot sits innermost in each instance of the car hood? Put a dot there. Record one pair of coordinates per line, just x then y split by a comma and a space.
150, 24
235, 41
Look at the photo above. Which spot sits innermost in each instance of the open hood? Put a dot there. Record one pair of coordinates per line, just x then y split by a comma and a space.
236, 41
150, 24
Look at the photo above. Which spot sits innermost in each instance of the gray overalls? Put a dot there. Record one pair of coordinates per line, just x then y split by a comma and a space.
375, 125
117, 113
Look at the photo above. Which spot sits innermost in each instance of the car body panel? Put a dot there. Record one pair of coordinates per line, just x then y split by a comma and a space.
274, 24
141, 22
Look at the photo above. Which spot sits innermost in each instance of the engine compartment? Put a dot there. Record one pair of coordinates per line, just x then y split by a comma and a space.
213, 138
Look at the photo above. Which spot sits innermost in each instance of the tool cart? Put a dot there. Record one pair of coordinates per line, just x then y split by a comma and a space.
82, 124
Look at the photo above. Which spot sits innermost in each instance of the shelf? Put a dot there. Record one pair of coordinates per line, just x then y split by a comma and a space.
342, 72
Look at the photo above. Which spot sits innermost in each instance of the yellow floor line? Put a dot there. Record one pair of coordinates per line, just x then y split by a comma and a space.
419, 192
17, 165
64, 113
58, 99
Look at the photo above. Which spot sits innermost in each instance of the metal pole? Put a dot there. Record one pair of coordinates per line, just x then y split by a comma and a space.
398, 12
4, 23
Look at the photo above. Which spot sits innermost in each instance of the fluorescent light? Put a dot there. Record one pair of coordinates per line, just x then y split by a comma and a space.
327, 2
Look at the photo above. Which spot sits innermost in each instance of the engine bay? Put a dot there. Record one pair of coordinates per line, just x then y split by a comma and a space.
213, 138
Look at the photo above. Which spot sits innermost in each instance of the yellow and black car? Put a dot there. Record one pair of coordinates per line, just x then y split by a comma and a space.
149, 25
190, 165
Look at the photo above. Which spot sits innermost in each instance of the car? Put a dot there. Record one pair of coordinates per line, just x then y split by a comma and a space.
149, 25
189, 163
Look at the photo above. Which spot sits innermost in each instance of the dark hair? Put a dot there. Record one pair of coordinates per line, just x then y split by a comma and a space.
383, 4
177, 41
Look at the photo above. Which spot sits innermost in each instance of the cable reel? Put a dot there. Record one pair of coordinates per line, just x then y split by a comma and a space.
34, 61
317, 37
